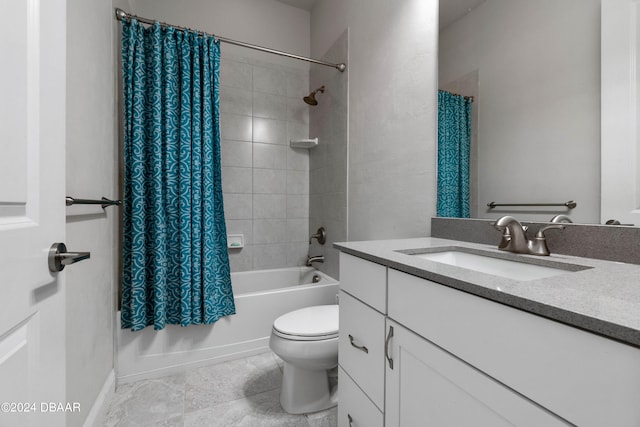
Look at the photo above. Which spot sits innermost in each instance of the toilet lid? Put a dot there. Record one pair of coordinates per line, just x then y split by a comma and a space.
320, 321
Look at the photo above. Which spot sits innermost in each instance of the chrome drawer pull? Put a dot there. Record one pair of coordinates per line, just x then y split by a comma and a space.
363, 348
350, 420
386, 347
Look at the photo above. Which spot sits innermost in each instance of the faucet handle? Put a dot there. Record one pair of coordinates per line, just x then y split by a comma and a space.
538, 246
540, 233
321, 235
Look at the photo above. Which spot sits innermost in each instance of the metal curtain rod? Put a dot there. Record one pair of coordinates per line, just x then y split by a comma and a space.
121, 15
570, 204
468, 97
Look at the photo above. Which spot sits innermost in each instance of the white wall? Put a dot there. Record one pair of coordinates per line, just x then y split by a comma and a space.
328, 161
538, 65
90, 173
392, 117
262, 22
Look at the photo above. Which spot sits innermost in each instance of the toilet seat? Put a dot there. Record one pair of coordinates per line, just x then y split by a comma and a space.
308, 324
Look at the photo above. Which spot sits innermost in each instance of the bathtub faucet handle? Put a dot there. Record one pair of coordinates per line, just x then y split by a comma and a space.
321, 235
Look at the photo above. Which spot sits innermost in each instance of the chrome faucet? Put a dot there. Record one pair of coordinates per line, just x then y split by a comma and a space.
514, 238
561, 218
311, 259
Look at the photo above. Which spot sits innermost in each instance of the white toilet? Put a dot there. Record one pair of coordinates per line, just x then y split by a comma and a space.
307, 341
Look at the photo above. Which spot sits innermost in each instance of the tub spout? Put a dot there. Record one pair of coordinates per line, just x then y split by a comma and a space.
312, 259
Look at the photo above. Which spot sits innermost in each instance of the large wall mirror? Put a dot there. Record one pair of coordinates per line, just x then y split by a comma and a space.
534, 70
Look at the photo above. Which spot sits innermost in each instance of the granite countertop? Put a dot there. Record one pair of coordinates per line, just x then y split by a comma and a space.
603, 298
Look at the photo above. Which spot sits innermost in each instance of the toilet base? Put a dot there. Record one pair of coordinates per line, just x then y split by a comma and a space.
311, 392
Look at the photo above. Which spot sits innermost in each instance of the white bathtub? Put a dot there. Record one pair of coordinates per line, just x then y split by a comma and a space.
260, 296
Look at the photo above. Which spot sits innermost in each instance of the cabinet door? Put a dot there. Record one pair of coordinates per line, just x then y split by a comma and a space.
360, 348
429, 387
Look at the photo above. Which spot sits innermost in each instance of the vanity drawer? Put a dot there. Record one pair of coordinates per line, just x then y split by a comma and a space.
562, 368
355, 409
361, 346
365, 280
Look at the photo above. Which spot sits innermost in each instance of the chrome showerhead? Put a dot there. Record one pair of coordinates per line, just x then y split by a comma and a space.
311, 99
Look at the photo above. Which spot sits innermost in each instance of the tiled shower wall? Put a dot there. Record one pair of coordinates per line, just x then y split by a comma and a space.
265, 181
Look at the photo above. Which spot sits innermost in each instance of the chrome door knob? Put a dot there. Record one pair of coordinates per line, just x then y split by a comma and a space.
59, 258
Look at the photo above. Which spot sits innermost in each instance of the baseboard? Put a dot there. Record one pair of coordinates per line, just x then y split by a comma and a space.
100, 407
181, 367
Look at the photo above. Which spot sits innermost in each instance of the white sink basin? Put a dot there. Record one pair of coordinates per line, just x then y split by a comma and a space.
490, 265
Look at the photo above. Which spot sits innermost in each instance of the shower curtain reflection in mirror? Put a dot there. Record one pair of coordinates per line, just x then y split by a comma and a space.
454, 143
175, 260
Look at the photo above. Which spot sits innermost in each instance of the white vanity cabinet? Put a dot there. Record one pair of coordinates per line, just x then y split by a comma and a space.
462, 360
585, 379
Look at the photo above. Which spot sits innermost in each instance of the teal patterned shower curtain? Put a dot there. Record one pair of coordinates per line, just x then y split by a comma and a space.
175, 260
454, 142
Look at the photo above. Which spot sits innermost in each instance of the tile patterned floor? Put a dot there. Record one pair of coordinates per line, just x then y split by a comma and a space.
242, 393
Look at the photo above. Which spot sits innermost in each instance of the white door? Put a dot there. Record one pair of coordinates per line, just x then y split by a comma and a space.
620, 122
32, 171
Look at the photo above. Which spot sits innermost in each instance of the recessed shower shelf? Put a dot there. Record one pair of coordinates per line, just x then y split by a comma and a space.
303, 143
235, 241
